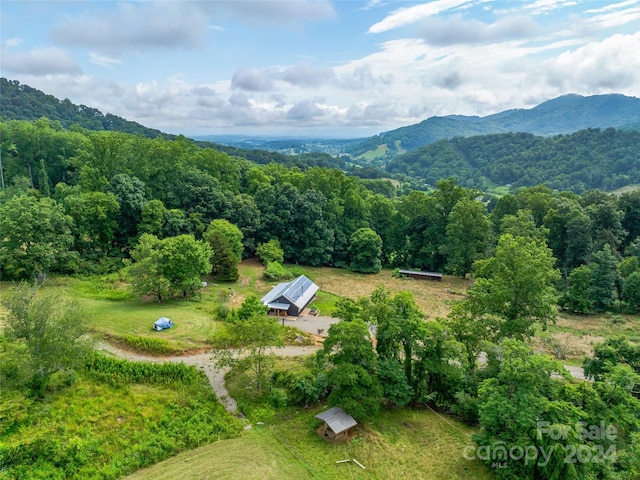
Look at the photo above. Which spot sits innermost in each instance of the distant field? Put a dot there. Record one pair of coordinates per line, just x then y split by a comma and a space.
379, 152
626, 189
398, 444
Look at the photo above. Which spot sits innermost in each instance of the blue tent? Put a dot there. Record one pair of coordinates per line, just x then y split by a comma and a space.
162, 323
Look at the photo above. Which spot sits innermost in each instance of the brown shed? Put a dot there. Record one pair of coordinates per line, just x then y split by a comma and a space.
338, 425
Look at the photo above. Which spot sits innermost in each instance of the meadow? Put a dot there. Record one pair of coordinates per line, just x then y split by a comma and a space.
128, 321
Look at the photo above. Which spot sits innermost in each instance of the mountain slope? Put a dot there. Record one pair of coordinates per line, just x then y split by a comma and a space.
588, 159
22, 102
565, 114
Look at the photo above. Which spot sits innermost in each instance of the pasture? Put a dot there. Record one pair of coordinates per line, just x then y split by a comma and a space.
400, 443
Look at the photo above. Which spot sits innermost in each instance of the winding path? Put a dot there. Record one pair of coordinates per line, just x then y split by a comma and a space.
203, 362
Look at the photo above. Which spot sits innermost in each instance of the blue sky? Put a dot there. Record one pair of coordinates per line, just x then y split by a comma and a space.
340, 69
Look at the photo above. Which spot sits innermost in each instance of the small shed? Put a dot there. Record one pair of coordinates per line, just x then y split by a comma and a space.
435, 276
290, 298
338, 425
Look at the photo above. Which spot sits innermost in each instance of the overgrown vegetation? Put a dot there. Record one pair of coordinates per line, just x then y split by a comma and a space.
116, 418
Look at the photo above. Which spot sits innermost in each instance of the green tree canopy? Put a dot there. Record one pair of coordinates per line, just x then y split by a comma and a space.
516, 285
225, 240
169, 266
35, 236
468, 235
365, 249
52, 329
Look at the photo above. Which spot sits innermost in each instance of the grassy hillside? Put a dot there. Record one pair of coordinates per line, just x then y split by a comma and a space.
398, 444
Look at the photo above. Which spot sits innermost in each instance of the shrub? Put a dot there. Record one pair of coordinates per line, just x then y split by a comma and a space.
144, 344
275, 271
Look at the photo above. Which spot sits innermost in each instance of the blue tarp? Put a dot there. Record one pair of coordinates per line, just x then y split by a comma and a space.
162, 323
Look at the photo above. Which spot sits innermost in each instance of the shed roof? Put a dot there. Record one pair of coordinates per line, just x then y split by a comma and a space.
416, 272
337, 419
298, 291
278, 306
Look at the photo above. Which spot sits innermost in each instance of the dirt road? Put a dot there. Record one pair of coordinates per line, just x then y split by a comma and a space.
203, 362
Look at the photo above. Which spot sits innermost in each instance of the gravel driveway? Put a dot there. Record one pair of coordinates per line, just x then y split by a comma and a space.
203, 362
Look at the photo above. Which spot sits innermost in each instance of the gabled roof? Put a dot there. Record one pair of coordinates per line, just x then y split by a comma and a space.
275, 292
337, 419
299, 292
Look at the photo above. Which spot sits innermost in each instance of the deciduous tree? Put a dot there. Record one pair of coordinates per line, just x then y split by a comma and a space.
52, 329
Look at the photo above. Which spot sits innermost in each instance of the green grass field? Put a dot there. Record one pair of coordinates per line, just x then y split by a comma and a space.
397, 444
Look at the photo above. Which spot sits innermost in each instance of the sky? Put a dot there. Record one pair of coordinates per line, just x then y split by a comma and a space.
317, 68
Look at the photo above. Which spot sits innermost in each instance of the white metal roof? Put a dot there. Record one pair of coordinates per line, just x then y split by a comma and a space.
337, 419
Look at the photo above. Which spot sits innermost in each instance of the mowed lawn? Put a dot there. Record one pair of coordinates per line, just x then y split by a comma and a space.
397, 444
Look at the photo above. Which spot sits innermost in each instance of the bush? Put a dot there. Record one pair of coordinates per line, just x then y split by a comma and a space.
144, 344
303, 387
277, 397
275, 271
270, 252
221, 311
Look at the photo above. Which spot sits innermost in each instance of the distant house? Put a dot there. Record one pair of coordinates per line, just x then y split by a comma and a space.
338, 425
421, 275
290, 298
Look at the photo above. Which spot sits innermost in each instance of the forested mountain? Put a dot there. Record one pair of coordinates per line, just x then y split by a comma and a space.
588, 159
22, 102
565, 114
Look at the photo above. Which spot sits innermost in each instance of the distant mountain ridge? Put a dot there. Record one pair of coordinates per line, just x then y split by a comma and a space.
562, 115
22, 102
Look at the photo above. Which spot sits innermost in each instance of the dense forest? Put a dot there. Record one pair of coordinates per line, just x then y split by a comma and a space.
79, 201
585, 160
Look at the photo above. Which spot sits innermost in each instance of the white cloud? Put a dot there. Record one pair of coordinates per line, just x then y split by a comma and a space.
612, 65
613, 6
457, 30
13, 42
103, 60
544, 6
407, 16
135, 27
252, 79
39, 61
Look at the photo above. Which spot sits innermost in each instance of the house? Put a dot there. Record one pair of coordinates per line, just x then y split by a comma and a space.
421, 275
338, 425
290, 298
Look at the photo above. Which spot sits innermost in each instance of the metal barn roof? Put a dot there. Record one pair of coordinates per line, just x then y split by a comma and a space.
299, 291
337, 419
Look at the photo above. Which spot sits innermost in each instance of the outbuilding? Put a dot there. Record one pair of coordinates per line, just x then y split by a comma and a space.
338, 425
435, 276
290, 298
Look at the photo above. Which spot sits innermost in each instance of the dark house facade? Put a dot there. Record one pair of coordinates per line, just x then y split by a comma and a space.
290, 298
